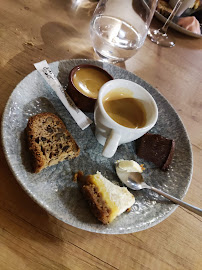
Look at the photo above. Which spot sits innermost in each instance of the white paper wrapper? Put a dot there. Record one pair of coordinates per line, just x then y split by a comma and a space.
80, 118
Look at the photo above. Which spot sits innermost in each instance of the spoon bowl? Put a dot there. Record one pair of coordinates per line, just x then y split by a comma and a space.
134, 180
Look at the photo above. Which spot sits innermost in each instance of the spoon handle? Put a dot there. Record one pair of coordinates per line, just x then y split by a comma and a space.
190, 207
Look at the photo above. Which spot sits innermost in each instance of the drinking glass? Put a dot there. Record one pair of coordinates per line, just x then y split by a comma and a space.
119, 27
160, 36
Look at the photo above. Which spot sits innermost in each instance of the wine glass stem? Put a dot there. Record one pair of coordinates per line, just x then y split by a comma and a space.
172, 14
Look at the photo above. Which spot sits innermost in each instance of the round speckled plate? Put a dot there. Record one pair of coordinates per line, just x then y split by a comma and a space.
54, 189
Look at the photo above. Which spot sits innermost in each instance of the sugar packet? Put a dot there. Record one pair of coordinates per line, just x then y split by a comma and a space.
80, 118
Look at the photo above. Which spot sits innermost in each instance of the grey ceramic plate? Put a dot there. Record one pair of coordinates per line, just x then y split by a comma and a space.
177, 27
54, 189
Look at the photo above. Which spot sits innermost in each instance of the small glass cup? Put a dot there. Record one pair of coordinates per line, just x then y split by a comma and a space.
119, 27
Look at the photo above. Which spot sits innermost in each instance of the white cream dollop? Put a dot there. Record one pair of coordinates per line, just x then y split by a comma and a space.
129, 166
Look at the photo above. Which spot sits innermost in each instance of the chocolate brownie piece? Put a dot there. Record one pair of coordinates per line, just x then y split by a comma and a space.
157, 149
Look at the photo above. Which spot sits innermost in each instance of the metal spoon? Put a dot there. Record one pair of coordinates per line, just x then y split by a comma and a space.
135, 181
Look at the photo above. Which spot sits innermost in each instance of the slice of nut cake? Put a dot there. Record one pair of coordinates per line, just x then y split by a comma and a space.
49, 141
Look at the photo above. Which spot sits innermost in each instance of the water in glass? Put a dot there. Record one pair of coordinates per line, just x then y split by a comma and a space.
119, 28
115, 39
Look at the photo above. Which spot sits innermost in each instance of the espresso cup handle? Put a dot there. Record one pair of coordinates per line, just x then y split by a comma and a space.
111, 144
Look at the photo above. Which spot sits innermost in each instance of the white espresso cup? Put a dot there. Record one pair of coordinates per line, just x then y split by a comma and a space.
111, 134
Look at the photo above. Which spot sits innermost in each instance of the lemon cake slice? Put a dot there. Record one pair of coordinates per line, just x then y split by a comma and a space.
106, 200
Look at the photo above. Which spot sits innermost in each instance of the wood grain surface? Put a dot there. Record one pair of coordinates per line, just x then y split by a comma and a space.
30, 238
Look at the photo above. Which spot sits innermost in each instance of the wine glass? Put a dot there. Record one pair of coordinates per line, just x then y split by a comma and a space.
160, 36
119, 27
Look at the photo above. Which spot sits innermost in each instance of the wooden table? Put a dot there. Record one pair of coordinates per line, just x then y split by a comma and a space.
30, 238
